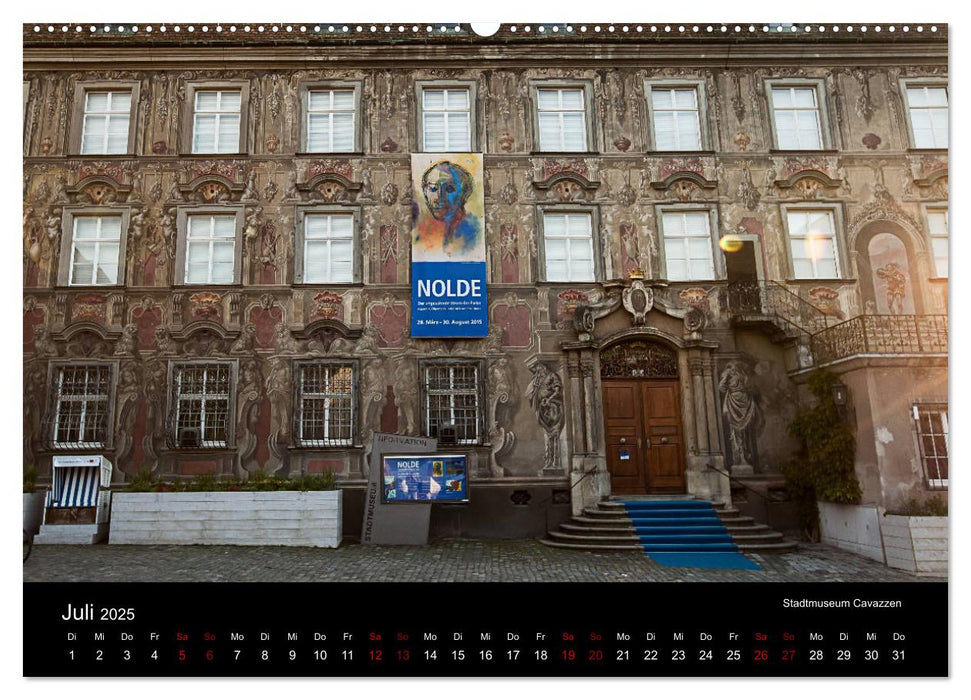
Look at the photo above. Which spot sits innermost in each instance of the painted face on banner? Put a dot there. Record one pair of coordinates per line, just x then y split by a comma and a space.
446, 188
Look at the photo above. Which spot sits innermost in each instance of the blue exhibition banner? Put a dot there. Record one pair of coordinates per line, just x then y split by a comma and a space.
424, 479
448, 300
448, 252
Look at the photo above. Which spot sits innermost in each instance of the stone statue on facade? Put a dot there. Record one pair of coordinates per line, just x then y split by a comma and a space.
545, 394
739, 408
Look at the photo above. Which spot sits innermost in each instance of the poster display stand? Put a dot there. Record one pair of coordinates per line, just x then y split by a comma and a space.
391, 523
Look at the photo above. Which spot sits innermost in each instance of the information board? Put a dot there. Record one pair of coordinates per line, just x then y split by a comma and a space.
424, 479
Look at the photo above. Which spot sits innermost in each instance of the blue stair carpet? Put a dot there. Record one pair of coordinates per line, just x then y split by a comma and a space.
685, 533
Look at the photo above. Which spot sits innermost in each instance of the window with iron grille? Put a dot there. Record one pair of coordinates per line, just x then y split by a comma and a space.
201, 402
932, 435
80, 406
106, 120
452, 399
325, 405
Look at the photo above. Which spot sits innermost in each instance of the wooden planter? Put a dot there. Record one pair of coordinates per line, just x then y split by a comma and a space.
287, 518
916, 543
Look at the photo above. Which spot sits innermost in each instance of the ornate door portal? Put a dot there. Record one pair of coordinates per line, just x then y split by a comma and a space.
642, 418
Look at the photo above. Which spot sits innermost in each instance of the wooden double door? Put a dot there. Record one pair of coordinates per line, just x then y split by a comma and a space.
645, 450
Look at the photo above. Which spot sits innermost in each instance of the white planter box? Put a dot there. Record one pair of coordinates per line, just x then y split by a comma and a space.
853, 528
288, 518
916, 543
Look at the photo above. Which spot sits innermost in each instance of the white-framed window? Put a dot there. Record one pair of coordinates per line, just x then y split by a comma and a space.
562, 118
688, 252
446, 119
95, 249
927, 110
210, 250
81, 406
930, 421
328, 248
325, 404
676, 118
937, 229
797, 118
451, 393
330, 120
568, 248
201, 394
216, 121
107, 118
813, 245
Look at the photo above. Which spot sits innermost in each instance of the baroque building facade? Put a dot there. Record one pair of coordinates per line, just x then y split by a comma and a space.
680, 226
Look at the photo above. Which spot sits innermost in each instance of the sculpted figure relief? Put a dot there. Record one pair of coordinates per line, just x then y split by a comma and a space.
739, 407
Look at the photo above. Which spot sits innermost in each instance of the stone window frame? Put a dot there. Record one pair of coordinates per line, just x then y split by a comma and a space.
357, 256
717, 256
925, 210
699, 86
188, 114
182, 222
81, 89
475, 137
822, 104
589, 108
53, 369
905, 83
305, 88
68, 214
480, 363
355, 365
930, 405
839, 235
599, 266
172, 399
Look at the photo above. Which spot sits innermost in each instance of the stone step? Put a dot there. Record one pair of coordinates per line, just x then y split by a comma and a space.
581, 524
753, 548
594, 547
769, 548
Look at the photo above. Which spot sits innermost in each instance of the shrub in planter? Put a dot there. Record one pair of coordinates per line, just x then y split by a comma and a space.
824, 468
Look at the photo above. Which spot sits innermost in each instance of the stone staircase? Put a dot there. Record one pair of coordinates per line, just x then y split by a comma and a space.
607, 528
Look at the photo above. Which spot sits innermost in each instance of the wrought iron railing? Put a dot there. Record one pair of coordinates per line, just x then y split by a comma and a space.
881, 335
772, 299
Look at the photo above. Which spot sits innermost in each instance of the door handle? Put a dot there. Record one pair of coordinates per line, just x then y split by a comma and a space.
648, 441
664, 441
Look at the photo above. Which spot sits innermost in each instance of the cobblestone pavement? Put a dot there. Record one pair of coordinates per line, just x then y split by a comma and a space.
446, 560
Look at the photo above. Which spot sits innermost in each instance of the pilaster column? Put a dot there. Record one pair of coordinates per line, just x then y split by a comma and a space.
699, 395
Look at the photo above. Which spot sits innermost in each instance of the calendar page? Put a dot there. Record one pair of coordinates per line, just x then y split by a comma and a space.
532, 349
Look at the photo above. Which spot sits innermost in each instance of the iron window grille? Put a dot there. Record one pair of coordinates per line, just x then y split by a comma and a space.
325, 405
452, 399
80, 407
931, 424
201, 401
